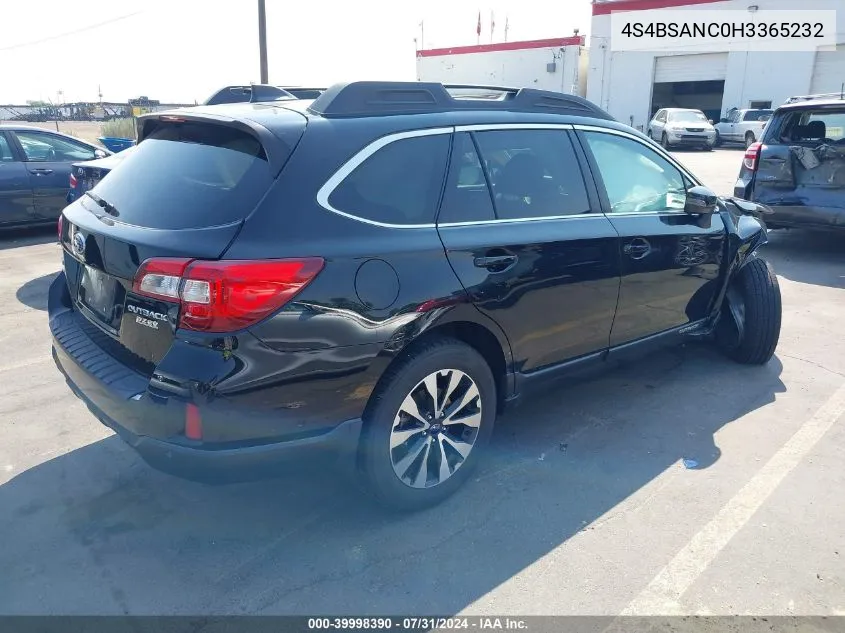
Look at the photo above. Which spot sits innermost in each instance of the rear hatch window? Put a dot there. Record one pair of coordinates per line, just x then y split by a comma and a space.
191, 175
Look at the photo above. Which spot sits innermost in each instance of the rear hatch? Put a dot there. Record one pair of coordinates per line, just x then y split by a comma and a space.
180, 196
801, 164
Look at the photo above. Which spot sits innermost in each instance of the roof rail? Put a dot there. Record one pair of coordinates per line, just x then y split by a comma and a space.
378, 98
813, 97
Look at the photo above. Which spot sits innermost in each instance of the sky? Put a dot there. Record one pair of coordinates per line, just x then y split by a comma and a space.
181, 51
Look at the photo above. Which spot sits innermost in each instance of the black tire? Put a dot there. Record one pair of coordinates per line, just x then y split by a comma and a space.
758, 288
399, 381
749, 139
718, 141
664, 141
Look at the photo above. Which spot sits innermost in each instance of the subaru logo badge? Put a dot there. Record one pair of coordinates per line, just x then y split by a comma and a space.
79, 243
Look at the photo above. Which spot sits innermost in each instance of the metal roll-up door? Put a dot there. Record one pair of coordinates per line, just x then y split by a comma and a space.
700, 67
829, 71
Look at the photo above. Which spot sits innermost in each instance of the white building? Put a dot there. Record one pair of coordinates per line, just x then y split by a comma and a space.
632, 85
553, 64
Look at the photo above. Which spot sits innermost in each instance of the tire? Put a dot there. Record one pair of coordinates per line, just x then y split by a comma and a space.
387, 422
718, 141
749, 139
664, 141
757, 288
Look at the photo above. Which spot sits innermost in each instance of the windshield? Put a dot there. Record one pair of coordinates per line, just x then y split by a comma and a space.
757, 115
188, 176
688, 116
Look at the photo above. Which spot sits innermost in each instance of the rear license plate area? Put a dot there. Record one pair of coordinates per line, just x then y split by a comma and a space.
98, 293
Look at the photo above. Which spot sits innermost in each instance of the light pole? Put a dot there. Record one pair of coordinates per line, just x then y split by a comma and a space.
262, 40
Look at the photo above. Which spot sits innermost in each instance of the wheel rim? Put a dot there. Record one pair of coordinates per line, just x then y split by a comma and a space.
435, 429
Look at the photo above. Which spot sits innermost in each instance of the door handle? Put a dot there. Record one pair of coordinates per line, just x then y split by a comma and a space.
41, 172
495, 263
637, 248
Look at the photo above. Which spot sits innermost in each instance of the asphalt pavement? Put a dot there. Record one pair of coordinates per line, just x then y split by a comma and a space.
683, 483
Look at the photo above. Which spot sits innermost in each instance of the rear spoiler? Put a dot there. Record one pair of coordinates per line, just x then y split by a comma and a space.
277, 149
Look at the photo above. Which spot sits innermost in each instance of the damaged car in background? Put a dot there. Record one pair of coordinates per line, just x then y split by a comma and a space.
798, 168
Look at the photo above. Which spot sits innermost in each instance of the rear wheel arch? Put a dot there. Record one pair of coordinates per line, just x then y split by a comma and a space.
471, 333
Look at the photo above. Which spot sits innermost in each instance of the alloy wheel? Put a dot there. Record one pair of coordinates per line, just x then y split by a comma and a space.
435, 428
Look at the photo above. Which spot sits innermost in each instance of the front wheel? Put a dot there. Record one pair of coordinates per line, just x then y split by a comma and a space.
749, 328
664, 141
428, 425
718, 141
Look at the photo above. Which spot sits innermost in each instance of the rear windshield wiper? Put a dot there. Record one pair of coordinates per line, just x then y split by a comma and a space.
106, 206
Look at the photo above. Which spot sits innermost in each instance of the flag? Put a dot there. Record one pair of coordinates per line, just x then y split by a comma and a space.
478, 28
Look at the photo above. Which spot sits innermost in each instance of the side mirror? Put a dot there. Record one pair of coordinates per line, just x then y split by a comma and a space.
700, 201
98, 153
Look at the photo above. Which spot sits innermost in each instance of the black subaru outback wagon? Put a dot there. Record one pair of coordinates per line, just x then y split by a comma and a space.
376, 274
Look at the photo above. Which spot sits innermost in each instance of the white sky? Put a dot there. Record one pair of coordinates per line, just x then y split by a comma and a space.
183, 50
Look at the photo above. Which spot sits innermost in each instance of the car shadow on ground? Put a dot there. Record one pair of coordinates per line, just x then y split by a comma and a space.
97, 531
18, 238
33, 293
806, 256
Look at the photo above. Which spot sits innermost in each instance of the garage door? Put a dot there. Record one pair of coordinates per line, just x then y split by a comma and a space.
701, 67
829, 71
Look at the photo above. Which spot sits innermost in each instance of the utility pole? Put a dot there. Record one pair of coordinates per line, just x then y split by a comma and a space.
262, 40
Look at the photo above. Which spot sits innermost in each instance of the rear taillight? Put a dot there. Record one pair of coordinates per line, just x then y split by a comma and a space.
224, 296
59, 226
752, 156
73, 181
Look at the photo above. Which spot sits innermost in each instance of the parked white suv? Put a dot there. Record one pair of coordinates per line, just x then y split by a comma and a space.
742, 126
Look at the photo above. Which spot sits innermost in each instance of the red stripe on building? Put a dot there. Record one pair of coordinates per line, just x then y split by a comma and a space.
575, 40
605, 8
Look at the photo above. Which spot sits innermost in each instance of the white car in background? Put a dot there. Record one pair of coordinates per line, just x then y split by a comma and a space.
742, 126
672, 127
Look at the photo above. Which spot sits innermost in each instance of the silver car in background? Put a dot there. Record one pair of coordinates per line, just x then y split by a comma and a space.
672, 127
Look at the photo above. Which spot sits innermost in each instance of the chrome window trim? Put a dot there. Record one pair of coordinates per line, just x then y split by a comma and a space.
493, 127
575, 216
644, 142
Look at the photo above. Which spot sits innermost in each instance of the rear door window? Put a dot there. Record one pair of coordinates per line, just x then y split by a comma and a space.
534, 173
467, 197
188, 175
400, 183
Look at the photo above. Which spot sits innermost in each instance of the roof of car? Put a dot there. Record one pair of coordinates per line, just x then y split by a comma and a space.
384, 107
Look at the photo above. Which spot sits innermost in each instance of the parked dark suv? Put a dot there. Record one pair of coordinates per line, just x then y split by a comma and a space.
798, 168
377, 273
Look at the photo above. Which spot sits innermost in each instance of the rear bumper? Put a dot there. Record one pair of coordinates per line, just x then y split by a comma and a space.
120, 399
